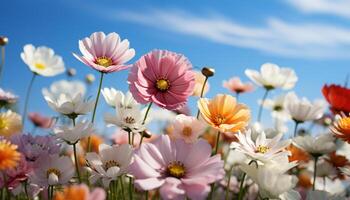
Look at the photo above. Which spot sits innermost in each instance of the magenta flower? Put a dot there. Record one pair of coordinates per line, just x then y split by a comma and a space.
105, 53
177, 168
40, 121
162, 77
19, 174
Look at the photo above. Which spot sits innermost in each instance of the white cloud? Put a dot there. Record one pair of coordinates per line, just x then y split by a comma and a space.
333, 7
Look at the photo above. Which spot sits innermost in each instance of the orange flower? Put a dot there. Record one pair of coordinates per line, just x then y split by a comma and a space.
297, 154
304, 180
96, 140
9, 156
341, 128
80, 192
224, 113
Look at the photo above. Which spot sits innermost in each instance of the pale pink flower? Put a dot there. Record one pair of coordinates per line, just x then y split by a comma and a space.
187, 128
105, 53
41, 121
178, 169
162, 77
236, 85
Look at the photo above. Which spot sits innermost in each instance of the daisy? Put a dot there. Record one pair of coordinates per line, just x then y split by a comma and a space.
118, 99
9, 156
105, 53
162, 77
237, 86
199, 81
52, 170
110, 163
224, 113
264, 150
278, 105
71, 135
10, 123
341, 127
177, 168
338, 98
187, 128
316, 146
64, 87
7, 98
80, 192
42, 60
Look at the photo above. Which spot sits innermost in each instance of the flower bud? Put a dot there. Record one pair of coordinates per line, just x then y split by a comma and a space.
71, 72
90, 78
208, 72
3, 40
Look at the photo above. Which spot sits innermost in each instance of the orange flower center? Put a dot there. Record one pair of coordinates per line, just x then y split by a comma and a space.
219, 120
104, 61
176, 169
187, 131
344, 124
162, 84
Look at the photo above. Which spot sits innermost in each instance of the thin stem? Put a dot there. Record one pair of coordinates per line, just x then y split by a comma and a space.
144, 120
26, 189
217, 142
76, 162
129, 137
146, 195
2, 60
130, 188
315, 169
116, 189
241, 189
261, 105
237, 95
228, 184
132, 138
202, 92
24, 115
95, 108
296, 127
122, 187
51, 192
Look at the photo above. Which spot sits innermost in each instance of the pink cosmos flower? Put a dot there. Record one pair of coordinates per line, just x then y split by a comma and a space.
105, 53
236, 85
177, 168
162, 77
40, 121
188, 128
17, 175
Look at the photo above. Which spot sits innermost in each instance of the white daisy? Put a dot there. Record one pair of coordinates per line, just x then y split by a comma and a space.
128, 119
72, 135
316, 146
69, 88
117, 99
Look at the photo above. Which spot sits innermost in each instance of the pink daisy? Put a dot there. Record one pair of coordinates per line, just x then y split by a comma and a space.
162, 77
236, 85
178, 169
105, 53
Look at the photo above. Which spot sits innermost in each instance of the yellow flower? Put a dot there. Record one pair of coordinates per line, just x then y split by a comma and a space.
199, 80
9, 156
224, 113
341, 128
10, 123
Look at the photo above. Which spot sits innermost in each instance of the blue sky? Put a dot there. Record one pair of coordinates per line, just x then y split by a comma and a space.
310, 36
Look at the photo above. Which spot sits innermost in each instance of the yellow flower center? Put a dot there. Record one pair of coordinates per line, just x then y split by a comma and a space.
187, 131
219, 120
262, 149
111, 163
344, 124
53, 170
3, 123
162, 85
104, 61
40, 66
176, 169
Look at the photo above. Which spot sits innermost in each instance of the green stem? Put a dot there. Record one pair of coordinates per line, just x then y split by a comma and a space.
202, 92
130, 188
217, 142
95, 108
26, 189
296, 127
24, 115
2, 60
146, 195
116, 189
315, 169
122, 187
129, 137
76, 162
144, 120
228, 184
262, 104
241, 188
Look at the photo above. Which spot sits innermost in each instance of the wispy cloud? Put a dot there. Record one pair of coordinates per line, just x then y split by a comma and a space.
300, 40
334, 7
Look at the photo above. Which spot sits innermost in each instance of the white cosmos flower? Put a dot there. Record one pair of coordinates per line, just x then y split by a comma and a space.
69, 88
272, 178
128, 119
277, 106
316, 146
69, 105
188, 128
42, 60
117, 99
72, 135
52, 170
110, 163
302, 110
263, 149
271, 76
